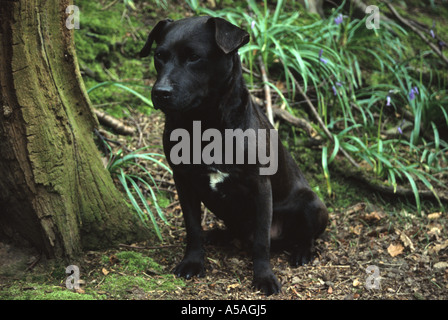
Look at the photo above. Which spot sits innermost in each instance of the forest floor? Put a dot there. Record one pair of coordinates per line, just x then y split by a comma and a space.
372, 249
376, 247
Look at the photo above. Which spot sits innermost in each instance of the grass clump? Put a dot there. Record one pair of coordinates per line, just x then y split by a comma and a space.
377, 96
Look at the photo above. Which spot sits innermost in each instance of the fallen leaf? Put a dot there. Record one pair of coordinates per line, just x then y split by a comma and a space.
113, 259
407, 241
374, 216
441, 265
434, 231
356, 282
233, 286
395, 249
104, 271
438, 247
355, 208
435, 215
330, 290
357, 229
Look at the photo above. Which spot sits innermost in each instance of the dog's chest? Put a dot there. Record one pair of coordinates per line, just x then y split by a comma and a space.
216, 178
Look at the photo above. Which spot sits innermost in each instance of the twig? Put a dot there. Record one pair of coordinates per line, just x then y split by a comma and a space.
113, 123
316, 115
150, 247
389, 190
109, 5
297, 122
418, 32
33, 264
267, 91
288, 117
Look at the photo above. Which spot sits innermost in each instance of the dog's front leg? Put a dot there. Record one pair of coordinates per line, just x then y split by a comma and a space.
264, 278
193, 262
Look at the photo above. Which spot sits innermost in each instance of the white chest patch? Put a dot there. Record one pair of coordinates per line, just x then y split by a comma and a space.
217, 177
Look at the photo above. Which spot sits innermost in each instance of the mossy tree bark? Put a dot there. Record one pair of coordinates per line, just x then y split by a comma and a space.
54, 190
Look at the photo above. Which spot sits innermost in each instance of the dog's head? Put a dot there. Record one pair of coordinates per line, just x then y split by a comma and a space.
194, 59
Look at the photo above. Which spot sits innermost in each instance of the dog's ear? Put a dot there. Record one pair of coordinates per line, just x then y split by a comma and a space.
228, 36
154, 35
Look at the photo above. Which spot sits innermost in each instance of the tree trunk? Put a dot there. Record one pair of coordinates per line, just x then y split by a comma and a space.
314, 6
54, 191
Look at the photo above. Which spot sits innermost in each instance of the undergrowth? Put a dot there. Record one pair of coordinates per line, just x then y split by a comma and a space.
382, 97
363, 82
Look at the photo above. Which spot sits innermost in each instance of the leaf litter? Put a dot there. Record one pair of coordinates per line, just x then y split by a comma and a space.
409, 252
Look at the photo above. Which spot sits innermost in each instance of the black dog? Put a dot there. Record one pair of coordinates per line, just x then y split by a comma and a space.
200, 82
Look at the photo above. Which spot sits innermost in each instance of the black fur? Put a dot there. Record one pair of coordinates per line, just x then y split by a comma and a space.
200, 79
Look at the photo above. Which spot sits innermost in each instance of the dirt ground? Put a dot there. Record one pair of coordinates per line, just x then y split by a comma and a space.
368, 252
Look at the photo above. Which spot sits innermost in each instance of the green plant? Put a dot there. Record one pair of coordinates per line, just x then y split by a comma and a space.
124, 87
353, 74
137, 182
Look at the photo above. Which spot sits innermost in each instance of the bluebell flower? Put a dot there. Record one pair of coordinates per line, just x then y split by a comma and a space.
416, 90
399, 129
387, 101
432, 33
339, 19
325, 61
252, 25
335, 92
412, 94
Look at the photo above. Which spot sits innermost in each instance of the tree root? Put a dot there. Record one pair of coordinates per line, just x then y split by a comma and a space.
360, 176
418, 32
113, 123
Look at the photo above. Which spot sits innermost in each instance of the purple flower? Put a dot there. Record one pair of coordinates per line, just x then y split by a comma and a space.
252, 25
387, 101
400, 131
432, 33
335, 92
325, 61
412, 94
339, 19
338, 84
441, 45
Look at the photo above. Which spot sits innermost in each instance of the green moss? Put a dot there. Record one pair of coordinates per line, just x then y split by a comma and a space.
136, 272
135, 262
37, 291
107, 45
133, 275
121, 286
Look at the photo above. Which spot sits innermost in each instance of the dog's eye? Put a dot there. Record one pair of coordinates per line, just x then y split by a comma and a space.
193, 57
160, 56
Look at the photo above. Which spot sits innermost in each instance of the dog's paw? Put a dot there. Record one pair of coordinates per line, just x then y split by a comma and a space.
300, 256
267, 283
188, 269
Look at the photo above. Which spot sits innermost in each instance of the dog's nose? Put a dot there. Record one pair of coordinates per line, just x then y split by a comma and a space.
162, 93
